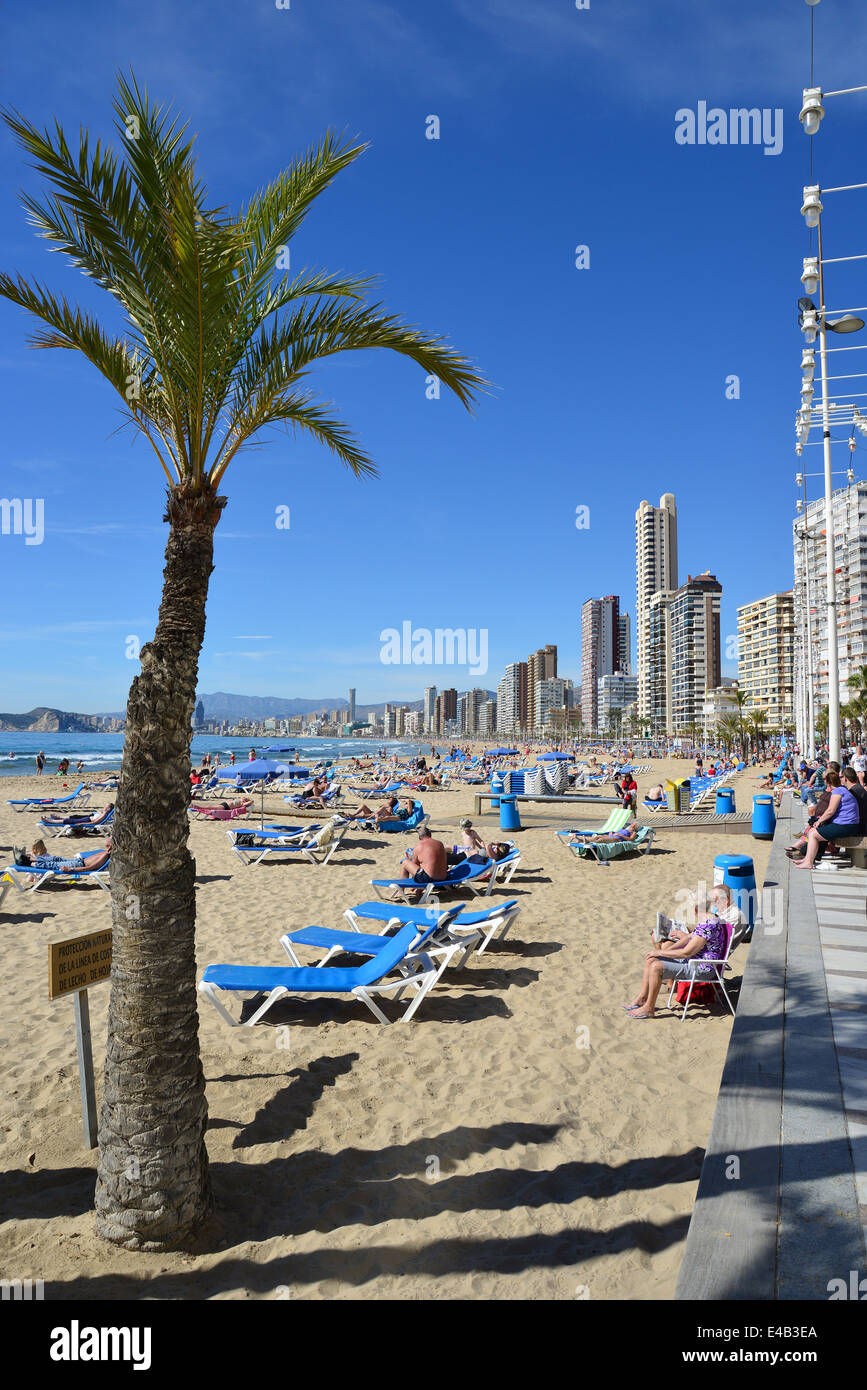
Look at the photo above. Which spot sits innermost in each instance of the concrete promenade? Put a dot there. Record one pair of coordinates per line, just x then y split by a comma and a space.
782, 1200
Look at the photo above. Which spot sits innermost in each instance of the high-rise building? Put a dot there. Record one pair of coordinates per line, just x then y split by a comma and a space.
766, 656
615, 691
511, 695
199, 716
696, 657
541, 665
655, 570
600, 651
550, 695
656, 718
351, 716
488, 719
624, 651
450, 704
849, 518
428, 708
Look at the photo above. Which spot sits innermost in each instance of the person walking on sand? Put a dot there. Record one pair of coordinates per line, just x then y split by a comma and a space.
40, 762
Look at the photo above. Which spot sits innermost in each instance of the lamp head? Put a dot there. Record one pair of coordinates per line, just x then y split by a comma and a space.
848, 324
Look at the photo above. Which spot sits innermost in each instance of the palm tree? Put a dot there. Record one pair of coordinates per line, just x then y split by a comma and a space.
741, 699
755, 725
215, 349
728, 729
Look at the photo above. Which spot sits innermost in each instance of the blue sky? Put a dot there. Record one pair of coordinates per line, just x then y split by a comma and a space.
556, 130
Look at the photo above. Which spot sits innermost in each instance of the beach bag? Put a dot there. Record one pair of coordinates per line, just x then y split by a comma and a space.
20, 856
701, 994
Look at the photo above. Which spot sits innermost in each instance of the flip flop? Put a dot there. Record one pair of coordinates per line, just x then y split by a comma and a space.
629, 1007
640, 1018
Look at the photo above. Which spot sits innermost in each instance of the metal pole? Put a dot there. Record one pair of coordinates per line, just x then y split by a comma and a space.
831, 579
809, 705
85, 1068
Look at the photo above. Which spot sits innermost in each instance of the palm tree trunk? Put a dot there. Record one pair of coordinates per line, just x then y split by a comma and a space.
153, 1188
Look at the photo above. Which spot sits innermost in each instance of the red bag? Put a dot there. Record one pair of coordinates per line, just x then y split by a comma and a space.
701, 994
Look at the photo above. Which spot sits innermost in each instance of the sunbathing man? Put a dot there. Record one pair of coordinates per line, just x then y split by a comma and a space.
78, 820
427, 863
707, 942
656, 793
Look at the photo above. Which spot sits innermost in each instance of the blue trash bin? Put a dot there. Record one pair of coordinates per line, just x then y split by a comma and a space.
725, 801
497, 784
764, 818
509, 818
738, 873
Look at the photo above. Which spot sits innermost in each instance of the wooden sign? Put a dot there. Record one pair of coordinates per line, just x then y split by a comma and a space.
78, 963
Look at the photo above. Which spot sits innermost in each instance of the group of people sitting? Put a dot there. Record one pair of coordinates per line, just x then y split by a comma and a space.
430, 861
391, 809
840, 812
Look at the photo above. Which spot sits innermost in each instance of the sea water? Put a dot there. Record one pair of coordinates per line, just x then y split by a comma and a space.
97, 752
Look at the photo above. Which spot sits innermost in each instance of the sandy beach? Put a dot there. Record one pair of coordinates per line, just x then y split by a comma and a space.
476, 1152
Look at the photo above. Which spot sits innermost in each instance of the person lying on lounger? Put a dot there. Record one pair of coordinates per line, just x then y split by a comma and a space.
78, 820
41, 859
609, 837
387, 811
656, 793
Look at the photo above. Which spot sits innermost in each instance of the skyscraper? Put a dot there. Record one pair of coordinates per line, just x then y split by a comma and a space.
624, 657
352, 707
655, 570
696, 665
428, 709
199, 716
541, 665
766, 641
511, 691
600, 651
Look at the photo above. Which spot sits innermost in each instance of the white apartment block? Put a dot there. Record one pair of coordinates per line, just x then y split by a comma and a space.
655, 571
766, 656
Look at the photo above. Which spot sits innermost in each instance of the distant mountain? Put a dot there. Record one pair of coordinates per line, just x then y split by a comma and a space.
47, 721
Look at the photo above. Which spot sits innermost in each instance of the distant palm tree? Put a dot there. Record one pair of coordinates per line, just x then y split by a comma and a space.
728, 729
215, 349
741, 699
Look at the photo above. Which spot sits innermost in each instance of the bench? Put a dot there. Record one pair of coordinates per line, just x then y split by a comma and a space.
857, 847
557, 800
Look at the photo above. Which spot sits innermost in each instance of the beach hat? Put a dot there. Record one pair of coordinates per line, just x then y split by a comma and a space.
465, 822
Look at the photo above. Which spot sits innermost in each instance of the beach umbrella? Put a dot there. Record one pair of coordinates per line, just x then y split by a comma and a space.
554, 758
258, 770
503, 753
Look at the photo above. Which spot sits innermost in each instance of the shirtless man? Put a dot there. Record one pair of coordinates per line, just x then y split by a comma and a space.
427, 863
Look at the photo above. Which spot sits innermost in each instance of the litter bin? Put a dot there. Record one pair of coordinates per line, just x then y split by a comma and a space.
509, 818
497, 784
725, 801
737, 872
677, 794
764, 818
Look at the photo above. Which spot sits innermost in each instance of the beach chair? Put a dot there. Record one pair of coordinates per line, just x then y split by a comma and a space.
415, 970
72, 825
616, 821
332, 794
433, 936
714, 976
463, 875
28, 879
612, 849
317, 848
79, 797
492, 921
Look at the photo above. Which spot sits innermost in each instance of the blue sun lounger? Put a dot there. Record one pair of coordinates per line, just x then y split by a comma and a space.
79, 797
28, 879
462, 875
79, 825
416, 971
493, 921
433, 935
